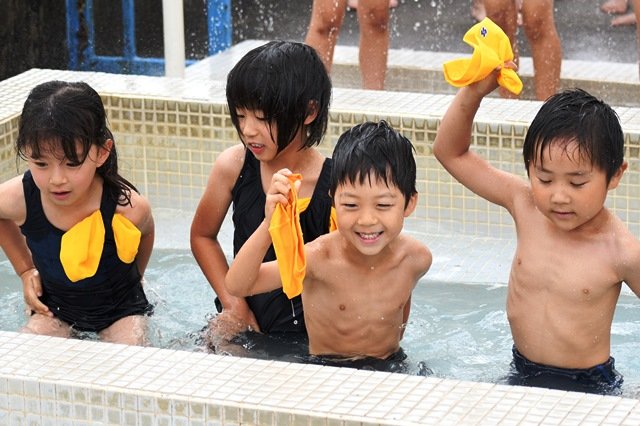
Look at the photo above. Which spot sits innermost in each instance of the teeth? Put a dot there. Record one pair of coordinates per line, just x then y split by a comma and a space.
369, 236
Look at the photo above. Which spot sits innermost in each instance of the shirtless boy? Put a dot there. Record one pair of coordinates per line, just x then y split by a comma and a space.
358, 282
572, 253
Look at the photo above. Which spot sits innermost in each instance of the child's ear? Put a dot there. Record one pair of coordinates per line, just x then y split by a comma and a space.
615, 179
312, 113
104, 152
411, 205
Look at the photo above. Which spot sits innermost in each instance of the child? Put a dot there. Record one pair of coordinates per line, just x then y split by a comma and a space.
278, 96
572, 253
358, 282
89, 233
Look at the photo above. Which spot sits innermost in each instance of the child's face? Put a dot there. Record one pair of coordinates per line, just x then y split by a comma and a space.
567, 188
370, 216
258, 136
61, 181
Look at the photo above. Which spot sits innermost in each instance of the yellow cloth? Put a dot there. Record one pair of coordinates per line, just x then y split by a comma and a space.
127, 237
81, 246
288, 243
491, 49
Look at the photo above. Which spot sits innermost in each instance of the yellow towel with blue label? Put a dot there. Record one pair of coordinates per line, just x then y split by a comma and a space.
491, 49
288, 241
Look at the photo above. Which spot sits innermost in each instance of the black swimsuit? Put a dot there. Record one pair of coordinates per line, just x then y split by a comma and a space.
273, 310
90, 304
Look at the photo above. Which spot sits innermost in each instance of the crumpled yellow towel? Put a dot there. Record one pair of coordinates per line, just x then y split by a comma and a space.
81, 246
491, 49
288, 243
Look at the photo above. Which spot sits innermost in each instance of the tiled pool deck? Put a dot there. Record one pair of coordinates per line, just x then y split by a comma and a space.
168, 133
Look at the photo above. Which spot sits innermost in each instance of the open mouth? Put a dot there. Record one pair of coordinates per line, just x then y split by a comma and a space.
369, 236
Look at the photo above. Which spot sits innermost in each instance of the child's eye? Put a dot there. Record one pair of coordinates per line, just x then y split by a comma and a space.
349, 205
39, 163
544, 181
73, 164
578, 185
384, 206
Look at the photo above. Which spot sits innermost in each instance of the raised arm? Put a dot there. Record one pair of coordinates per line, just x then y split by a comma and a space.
248, 275
452, 143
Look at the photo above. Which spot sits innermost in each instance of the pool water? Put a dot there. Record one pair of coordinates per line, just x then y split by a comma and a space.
459, 331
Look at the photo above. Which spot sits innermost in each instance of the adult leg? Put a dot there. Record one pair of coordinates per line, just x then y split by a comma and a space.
505, 14
546, 51
131, 330
326, 20
47, 326
373, 18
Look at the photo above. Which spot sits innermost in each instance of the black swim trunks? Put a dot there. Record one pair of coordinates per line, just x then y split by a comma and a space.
602, 379
394, 363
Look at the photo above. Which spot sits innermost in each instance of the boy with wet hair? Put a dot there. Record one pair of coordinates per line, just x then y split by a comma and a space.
358, 281
572, 253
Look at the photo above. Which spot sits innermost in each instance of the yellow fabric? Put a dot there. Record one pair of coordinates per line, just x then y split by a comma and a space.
333, 220
491, 49
127, 237
81, 247
288, 243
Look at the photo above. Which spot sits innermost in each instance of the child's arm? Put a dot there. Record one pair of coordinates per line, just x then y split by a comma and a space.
143, 219
452, 143
13, 211
205, 228
247, 274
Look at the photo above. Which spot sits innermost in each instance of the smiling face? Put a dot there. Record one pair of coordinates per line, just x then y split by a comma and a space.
371, 214
567, 188
61, 181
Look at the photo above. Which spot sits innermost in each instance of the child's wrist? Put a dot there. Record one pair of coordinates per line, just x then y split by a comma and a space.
26, 271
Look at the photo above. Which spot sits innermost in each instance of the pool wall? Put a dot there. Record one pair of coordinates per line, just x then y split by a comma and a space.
168, 133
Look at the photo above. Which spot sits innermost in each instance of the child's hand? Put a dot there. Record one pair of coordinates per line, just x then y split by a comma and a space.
490, 83
32, 290
278, 192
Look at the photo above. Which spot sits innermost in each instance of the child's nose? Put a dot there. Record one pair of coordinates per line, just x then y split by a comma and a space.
57, 176
249, 126
367, 218
560, 195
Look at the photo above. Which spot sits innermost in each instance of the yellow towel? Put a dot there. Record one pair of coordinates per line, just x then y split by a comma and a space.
491, 49
81, 246
127, 237
288, 243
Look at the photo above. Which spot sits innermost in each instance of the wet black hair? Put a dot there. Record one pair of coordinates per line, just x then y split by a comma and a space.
575, 115
68, 113
284, 80
374, 149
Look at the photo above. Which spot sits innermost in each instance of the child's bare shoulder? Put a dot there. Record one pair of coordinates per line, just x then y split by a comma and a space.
138, 212
12, 204
415, 251
230, 161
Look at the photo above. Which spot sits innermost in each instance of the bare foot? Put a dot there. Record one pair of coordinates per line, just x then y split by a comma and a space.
615, 6
353, 4
477, 10
626, 19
